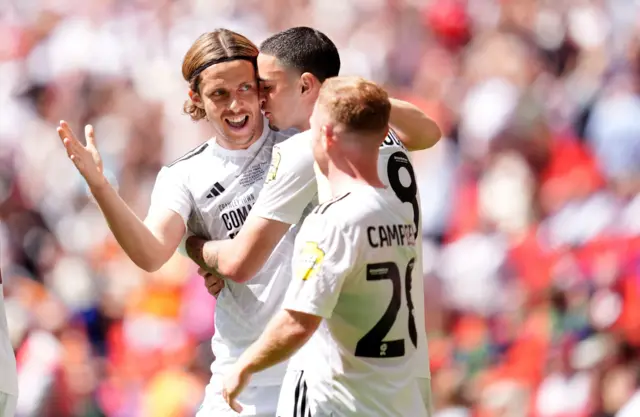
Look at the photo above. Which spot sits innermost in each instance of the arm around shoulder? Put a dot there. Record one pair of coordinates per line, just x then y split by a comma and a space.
415, 129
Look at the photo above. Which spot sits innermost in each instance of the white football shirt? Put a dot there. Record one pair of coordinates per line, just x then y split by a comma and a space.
354, 265
8, 372
291, 186
213, 189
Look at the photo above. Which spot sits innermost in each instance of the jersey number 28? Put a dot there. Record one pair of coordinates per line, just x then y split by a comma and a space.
371, 345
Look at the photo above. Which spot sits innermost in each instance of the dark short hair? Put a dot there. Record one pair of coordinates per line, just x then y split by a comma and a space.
305, 50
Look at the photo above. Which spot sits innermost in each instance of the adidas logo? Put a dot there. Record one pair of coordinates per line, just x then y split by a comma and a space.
216, 190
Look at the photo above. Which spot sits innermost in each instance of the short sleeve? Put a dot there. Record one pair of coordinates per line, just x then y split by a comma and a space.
290, 184
170, 193
322, 260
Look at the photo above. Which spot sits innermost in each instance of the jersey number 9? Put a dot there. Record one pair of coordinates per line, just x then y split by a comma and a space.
406, 194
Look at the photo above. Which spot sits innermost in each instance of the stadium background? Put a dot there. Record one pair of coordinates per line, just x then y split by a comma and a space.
531, 201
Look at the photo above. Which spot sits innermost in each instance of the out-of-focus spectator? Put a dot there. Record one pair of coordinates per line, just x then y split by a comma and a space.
632, 406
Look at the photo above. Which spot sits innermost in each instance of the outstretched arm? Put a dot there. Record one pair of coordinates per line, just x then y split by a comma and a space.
149, 244
414, 128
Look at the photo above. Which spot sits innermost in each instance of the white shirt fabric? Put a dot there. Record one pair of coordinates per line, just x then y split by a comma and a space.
355, 265
213, 189
291, 188
8, 371
632, 407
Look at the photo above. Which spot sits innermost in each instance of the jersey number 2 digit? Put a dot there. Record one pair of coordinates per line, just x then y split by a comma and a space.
371, 345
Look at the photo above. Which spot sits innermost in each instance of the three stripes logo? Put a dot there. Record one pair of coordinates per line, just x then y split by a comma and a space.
216, 190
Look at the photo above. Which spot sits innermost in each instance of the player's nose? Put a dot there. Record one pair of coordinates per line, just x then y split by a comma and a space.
235, 104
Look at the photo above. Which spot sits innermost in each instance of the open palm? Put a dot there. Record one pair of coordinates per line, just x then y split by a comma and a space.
86, 158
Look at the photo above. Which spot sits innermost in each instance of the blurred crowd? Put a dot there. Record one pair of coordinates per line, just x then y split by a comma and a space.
531, 201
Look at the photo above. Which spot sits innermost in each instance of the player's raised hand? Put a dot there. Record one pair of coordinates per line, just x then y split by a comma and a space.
233, 384
85, 158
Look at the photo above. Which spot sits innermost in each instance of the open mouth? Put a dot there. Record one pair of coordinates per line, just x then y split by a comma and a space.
237, 122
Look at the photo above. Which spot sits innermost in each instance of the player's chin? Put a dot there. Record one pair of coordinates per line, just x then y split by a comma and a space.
273, 127
243, 138
272, 122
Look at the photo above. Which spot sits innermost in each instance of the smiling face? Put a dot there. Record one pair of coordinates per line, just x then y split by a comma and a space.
229, 96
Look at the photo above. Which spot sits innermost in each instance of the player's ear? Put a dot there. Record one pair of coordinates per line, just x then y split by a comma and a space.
195, 99
308, 83
327, 136
262, 99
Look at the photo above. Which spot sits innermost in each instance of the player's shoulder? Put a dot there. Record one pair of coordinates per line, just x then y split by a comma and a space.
178, 170
191, 156
325, 223
352, 216
276, 137
296, 142
360, 205
345, 210
291, 157
281, 136
322, 210
189, 167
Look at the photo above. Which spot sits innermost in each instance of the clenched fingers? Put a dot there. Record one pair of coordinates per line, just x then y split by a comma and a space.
213, 283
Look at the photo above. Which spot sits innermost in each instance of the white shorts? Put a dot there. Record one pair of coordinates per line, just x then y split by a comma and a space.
256, 401
294, 401
7, 405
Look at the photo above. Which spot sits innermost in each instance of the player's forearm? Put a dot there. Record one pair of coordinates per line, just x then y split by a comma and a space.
285, 334
241, 258
416, 130
220, 257
135, 238
207, 255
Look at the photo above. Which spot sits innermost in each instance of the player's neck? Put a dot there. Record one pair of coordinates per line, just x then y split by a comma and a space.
303, 126
342, 181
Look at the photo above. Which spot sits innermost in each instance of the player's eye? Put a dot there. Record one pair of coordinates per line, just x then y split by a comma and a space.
266, 87
246, 87
219, 93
